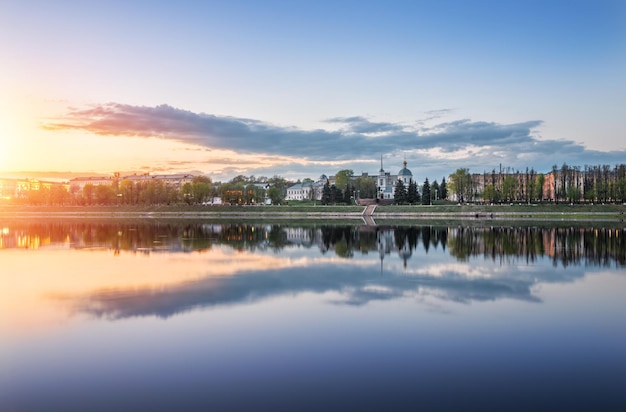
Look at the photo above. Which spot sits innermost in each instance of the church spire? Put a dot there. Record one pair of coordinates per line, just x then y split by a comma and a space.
381, 163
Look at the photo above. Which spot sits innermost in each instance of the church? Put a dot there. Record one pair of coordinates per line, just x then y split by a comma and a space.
386, 182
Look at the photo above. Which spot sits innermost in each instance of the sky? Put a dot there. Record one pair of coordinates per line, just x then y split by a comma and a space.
297, 89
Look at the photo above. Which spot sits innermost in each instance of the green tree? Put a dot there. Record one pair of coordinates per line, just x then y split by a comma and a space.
281, 184
491, 194
326, 194
335, 195
400, 193
434, 189
443, 189
200, 191
461, 184
509, 188
539, 187
573, 194
275, 196
343, 178
239, 179
413, 196
365, 187
348, 195
187, 192
426, 195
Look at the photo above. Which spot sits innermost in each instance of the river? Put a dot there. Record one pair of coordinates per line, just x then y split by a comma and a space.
184, 315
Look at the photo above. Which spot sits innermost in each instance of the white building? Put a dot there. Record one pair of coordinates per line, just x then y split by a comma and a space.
307, 190
386, 182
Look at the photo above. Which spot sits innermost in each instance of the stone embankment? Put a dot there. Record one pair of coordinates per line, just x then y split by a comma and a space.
369, 214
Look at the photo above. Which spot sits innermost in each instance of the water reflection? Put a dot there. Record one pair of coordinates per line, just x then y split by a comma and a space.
106, 316
566, 246
241, 264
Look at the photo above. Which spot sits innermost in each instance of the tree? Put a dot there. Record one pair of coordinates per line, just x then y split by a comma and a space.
509, 188
539, 187
434, 189
335, 195
461, 184
326, 194
275, 196
426, 199
127, 192
491, 194
88, 193
342, 178
202, 179
348, 194
413, 196
104, 194
200, 191
573, 194
365, 187
239, 179
280, 184
186, 192
443, 189
58, 195
74, 190
400, 193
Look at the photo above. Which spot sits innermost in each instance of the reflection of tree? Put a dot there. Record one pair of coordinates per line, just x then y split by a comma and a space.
277, 238
567, 246
597, 246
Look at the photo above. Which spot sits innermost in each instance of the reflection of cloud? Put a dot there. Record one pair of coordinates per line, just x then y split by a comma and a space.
358, 284
474, 144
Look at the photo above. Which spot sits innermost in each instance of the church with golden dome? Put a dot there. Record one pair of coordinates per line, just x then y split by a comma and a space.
386, 182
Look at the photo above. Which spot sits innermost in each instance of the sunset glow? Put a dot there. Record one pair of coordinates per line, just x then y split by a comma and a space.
79, 98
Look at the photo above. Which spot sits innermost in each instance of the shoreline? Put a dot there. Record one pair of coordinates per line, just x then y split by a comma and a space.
475, 214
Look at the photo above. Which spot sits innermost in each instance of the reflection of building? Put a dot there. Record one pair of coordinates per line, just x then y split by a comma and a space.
571, 245
301, 236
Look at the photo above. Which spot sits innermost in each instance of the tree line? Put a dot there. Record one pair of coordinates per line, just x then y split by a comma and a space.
201, 190
410, 194
572, 184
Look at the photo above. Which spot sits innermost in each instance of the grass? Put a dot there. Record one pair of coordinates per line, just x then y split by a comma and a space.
508, 208
554, 212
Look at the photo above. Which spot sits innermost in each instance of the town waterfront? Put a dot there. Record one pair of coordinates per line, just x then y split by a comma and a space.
187, 315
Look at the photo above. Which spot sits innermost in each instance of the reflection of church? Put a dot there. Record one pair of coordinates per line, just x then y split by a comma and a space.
387, 242
386, 182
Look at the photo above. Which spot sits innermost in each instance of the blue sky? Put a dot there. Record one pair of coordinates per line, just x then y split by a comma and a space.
303, 88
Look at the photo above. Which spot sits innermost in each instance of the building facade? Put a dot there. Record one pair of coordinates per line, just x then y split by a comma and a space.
386, 182
307, 190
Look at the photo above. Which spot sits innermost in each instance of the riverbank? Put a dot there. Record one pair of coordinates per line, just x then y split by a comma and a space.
544, 212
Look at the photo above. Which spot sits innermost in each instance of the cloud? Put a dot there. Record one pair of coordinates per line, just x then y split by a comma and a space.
353, 284
436, 149
361, 125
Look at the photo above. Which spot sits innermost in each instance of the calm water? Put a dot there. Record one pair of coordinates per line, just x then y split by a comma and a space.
181, 316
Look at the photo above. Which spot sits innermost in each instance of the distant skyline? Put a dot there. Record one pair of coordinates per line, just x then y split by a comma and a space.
299, 89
